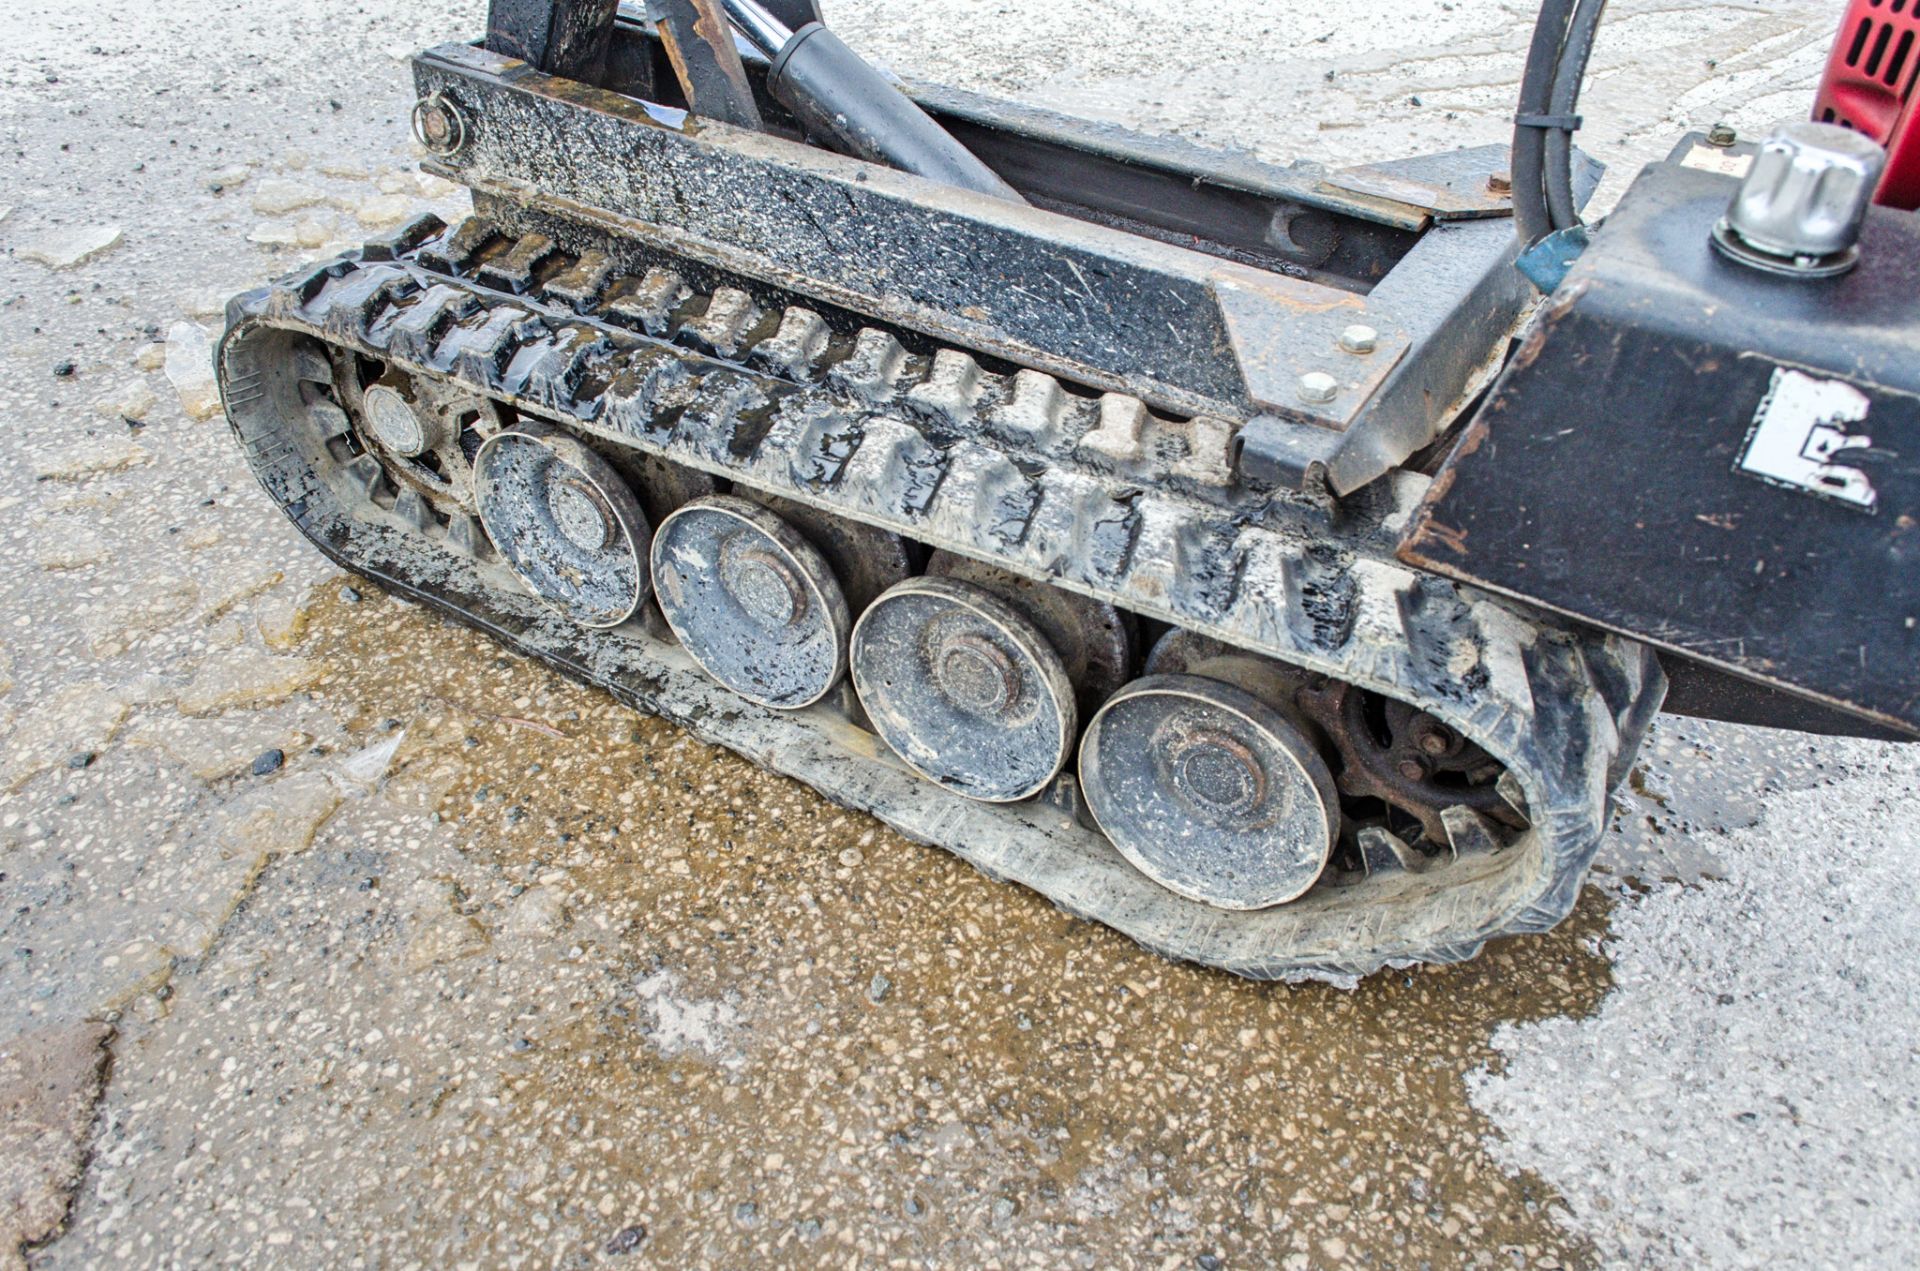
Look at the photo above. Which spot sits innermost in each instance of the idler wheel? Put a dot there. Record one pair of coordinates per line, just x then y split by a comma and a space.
751, 601
397, 425
565, 522
1210, 791
964, 688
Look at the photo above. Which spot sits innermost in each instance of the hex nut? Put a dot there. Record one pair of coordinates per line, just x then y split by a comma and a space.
1318, 387
1359, 338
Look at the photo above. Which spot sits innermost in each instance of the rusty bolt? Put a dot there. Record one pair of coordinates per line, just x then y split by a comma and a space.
1413, 769
1318, 387
1722, 134
1499, 183
1434, 743
1359, 338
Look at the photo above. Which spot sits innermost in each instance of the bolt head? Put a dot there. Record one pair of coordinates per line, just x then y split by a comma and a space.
1359, 338
1318, 387
1722, 135
1499, 183
1412, 769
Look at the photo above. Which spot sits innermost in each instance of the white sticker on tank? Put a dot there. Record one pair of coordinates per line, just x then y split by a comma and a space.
1800, 427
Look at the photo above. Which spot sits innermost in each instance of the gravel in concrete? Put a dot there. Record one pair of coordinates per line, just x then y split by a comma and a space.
490, 972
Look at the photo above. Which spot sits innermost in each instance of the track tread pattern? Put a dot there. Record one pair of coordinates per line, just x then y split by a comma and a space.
1094, 492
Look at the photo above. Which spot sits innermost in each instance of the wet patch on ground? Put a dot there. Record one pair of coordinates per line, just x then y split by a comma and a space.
579, 975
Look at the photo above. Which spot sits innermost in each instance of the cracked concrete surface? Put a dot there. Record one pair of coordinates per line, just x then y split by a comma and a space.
332, 936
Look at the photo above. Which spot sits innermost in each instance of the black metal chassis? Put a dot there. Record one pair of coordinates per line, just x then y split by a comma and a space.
1612, 475
1193, 290
1204, 284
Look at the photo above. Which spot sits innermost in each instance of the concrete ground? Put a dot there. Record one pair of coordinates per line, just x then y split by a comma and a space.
484, 971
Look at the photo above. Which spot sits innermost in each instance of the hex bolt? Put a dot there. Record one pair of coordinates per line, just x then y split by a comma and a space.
1412, 770
1359, 338
1499, 183
1318, 387
1722, 134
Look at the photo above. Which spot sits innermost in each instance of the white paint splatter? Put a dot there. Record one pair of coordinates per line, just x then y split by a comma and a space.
683, 1025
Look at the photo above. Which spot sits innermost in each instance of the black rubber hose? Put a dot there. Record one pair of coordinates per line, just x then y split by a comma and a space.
1567, 79
1531, 214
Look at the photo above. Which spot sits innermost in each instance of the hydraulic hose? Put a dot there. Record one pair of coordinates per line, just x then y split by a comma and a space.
1535, 119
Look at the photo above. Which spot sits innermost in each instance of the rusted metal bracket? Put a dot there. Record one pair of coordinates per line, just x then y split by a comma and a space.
701, 46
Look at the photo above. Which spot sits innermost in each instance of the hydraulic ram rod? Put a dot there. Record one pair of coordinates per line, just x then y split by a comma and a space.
840, 97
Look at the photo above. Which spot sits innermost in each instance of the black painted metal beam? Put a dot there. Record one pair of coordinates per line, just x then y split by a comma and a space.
562, 37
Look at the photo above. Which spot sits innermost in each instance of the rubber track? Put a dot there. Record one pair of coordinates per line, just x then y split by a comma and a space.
1092, 492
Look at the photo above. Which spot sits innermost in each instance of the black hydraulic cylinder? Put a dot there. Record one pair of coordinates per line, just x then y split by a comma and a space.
838, 95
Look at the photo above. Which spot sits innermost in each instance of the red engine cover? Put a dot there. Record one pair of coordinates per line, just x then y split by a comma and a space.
1869, 87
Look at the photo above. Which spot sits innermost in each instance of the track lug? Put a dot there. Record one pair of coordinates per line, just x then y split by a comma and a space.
872, 372
1468, 832
650, 305
417, 332
580, 286
411, 507
398, 242
454, 250
514, 271
331, 420
1510, 792
1033, 410
466, 537
311, 366
951, 389
1209, 457
722, 329
1120, 433
795, 348
367, 476
1384, 852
